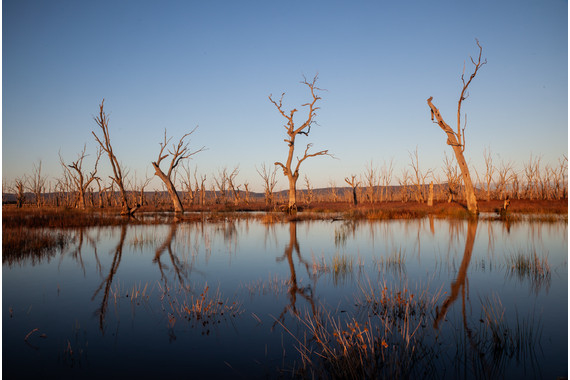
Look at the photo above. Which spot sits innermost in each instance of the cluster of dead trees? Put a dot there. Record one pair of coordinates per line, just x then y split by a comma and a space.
81, 187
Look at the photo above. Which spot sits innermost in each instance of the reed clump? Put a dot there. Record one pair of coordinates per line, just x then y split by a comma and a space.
388, 338
204, 310
395, 262
35, 244
530, 266
341, 267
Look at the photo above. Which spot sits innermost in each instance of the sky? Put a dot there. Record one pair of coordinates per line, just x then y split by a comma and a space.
176, 65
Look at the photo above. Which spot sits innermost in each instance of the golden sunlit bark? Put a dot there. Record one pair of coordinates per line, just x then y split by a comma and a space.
178, 152
292, 132
457, 138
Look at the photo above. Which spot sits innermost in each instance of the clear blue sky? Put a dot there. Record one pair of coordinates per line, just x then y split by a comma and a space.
178, 64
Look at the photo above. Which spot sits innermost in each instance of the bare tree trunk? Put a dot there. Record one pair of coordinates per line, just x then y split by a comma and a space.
457, 139
292, 132
103, 122
178, 152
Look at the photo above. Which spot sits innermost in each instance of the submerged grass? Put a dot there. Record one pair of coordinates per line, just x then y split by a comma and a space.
394, 263
529, 266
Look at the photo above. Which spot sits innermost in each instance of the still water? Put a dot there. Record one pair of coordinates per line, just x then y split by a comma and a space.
232, 299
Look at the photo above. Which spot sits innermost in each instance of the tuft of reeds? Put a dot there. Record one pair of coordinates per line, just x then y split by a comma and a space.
529, 266
388, 338
395, 263
204, 310
341, 268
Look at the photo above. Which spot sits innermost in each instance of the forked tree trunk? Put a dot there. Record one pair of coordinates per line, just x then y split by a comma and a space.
170, 187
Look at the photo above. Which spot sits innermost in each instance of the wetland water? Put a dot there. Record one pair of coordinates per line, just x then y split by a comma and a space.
235, 299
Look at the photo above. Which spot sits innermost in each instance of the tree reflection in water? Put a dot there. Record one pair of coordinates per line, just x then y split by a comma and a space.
305, 292
101, 311
460, 282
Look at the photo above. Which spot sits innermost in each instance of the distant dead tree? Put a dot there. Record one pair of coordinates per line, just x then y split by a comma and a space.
457, 138
404, 182
269, 182
453, 177
505, 174
188, 184
489, 171
140, 186
370, 180
102, 121
234, 187
419, 176
532, 173
221, 183
19, 190
309, 196
36, 183
178, 152
292, 131
81, 179
353, 184
386, 173
559, 176
333, 192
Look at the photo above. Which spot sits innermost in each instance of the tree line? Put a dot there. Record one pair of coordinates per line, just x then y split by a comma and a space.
82, 188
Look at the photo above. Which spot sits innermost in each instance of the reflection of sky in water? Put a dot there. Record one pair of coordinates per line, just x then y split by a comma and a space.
250, 261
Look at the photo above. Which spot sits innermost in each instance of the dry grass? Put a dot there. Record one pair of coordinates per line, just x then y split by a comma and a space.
386, 340
204, 311
20, 244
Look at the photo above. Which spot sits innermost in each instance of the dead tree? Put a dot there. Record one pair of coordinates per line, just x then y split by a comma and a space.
309, 198
36, 183
457, 138
80, 178
453, 178
385, 180
19, 190
178, 152
231, 179
102, 121
187, 183
532, 174
505, 174
420, 177
404, 182
370, 178
269, 182
353, 184
292, 131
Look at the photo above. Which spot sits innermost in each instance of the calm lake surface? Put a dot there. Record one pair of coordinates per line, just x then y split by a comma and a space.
232, 299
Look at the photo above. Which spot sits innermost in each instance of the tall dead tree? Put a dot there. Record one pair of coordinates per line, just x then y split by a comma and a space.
102, 121
178, 152
80, 178
292, 131
457, 138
